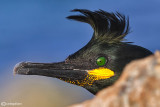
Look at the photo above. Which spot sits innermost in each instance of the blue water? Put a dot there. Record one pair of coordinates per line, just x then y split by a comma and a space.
38, 30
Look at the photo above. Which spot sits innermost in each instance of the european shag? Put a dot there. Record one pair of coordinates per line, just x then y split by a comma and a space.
98, 64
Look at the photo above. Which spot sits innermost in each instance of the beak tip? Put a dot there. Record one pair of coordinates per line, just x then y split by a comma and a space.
18, 67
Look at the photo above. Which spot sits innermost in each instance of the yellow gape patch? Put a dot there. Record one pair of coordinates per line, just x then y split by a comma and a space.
101, 73
93, 75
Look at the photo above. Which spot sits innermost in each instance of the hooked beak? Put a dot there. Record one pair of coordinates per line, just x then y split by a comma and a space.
56, 70
65, 72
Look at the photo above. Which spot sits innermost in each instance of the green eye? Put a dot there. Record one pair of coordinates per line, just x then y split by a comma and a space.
101, 61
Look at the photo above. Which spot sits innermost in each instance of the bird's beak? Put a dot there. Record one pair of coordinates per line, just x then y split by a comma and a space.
63, 71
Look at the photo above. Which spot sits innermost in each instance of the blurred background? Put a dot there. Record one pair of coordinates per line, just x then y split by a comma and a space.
38, 31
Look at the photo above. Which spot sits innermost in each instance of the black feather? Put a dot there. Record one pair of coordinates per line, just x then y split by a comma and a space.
108, 27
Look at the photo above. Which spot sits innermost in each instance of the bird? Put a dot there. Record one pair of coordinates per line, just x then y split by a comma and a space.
101, 61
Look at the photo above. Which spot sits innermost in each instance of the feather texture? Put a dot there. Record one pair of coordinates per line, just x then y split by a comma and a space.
108, 27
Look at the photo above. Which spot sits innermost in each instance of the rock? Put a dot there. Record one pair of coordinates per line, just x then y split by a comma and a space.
138, 86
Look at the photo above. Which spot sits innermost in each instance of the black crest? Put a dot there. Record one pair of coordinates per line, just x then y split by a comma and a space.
108, 27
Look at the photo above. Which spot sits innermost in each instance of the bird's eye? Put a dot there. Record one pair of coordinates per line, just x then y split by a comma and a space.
101, 61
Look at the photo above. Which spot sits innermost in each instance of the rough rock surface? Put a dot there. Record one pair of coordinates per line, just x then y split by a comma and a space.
138, 86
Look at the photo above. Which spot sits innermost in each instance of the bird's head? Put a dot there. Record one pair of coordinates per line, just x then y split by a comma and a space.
99, 63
